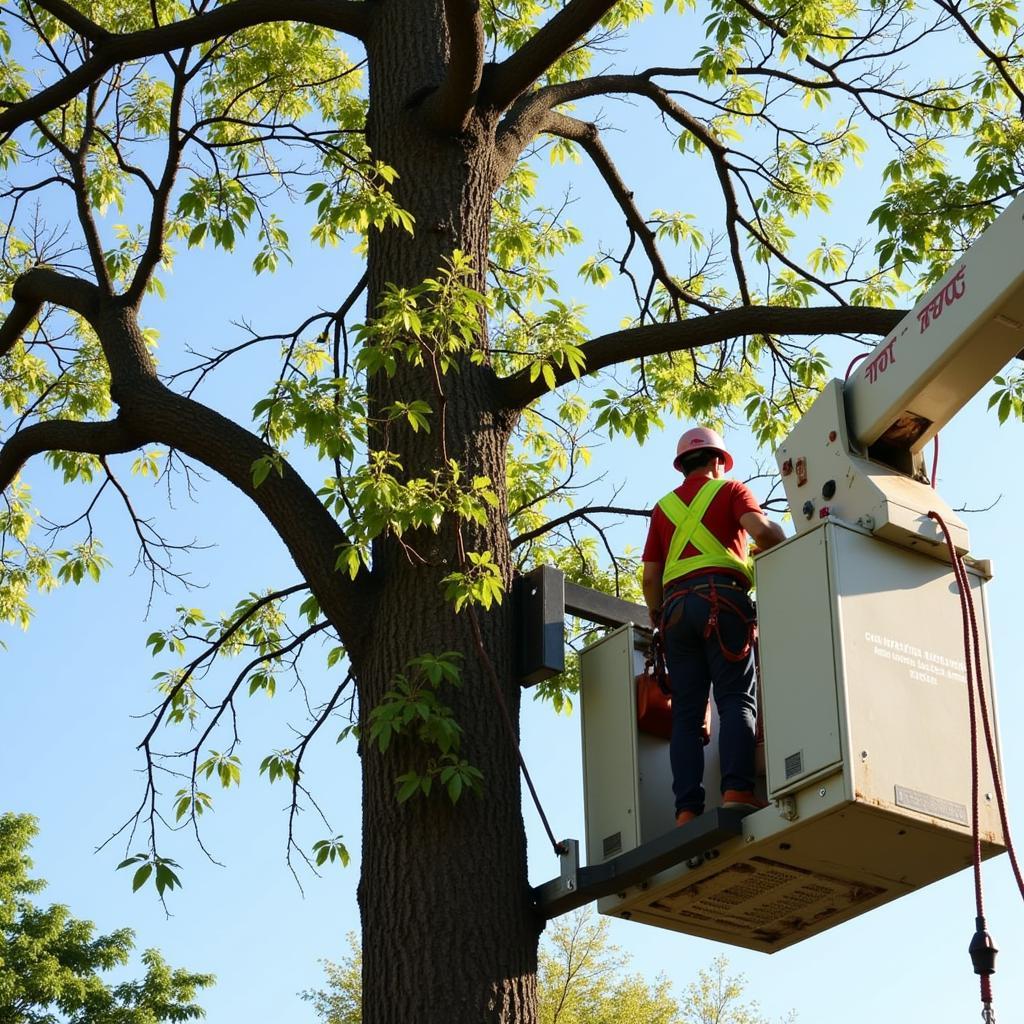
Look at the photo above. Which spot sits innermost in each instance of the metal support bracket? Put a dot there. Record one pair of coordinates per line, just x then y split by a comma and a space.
576, 886
542, 601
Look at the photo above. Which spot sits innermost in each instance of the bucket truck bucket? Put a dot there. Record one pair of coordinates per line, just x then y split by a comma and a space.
867, 751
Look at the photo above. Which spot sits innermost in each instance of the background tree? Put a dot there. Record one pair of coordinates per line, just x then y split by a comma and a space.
582, 978
718, 998
411, 463
52, 964
341, 1002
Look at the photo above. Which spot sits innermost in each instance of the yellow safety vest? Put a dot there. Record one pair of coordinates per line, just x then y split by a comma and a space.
688, 521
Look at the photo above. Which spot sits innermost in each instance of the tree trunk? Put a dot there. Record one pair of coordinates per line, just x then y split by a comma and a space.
449, 933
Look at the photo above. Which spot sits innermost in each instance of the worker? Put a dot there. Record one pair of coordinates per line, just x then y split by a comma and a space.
696, 578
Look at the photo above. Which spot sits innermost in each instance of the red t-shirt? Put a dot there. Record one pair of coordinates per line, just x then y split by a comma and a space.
722, 518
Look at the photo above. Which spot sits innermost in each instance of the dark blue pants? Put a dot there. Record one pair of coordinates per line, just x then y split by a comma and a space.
696, 664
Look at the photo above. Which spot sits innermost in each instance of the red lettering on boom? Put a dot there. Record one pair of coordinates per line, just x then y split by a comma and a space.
954, 289
881, 362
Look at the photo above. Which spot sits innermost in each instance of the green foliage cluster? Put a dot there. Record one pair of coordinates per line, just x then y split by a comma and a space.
52, 964
412, 708
268, 75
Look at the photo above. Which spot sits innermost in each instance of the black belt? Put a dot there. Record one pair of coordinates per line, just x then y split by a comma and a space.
704, 582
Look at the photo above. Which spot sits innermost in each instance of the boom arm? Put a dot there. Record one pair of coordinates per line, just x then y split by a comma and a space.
965, 329
856, 452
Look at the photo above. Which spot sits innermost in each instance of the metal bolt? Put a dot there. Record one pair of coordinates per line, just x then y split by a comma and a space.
863, 755
988, 797
570, 884
822, 791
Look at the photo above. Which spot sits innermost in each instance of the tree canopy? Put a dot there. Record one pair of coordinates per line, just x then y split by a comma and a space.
425, 432
52, 965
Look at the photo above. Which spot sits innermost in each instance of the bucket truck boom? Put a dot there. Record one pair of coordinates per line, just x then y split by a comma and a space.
857, 454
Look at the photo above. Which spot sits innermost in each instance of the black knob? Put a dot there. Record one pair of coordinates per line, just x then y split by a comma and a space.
829, 490
808, 509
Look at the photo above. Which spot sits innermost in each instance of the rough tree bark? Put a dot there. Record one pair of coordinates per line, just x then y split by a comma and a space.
438, 880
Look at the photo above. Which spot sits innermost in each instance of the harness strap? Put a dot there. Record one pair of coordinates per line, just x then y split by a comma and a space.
709, 592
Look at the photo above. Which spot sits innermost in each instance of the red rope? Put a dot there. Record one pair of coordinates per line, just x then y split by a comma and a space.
935, 462
973, 649
962, 591
997, 782
853, 362
982, 949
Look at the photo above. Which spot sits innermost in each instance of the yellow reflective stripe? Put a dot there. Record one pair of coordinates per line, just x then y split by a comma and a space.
698, 563
687, 520
690, 530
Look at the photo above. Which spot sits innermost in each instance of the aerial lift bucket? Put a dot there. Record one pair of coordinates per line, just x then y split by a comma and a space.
867, 754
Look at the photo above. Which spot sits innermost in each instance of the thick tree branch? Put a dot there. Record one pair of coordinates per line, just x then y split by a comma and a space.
36, 287
452, 104
347, 16
533, 113
527, 115
505, 81
49, 285
588, 137
151, 412
310, 533
74, 19
16, 323
108, 438
655, 339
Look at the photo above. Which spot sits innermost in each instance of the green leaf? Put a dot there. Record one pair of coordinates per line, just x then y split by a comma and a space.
139, 880
408, 786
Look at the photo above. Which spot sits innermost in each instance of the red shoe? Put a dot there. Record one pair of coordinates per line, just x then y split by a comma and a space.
685, 817
739, 799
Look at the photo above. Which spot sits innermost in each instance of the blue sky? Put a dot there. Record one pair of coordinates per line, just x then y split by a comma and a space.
70, 686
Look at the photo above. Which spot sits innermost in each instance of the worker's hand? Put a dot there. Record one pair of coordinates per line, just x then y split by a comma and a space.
655, 616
